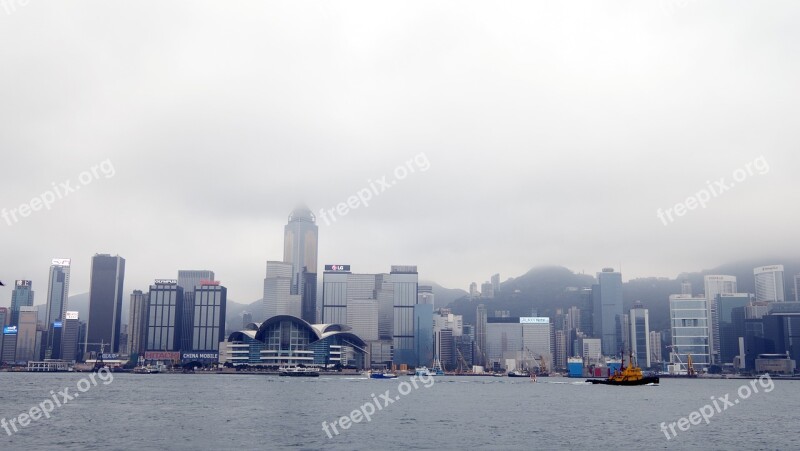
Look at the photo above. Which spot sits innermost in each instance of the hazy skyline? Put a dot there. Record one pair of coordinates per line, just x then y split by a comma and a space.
553, 134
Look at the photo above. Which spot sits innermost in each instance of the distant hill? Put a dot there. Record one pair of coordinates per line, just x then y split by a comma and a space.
546, 289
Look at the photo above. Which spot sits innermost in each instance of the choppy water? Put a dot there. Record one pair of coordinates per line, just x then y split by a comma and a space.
244, 412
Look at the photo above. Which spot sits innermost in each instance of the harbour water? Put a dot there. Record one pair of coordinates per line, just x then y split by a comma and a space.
243, 412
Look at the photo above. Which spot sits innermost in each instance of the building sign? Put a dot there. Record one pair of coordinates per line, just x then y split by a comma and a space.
162, 355
71, 315
200, 355
110, 356
166, 282
205, 283
534, 320
23, 283
10, 330
344, 268
61, 262
56, 323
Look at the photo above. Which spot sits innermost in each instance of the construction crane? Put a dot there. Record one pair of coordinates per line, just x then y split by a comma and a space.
461, 363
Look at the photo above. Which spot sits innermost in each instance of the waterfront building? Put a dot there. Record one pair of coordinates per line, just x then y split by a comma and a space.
208, 324
189, 279
300, 243
730, 326
639, 320
278, 297
404, 279
137, 323
716, 285
26, 334
362, 318
769, 283
70, 331
164, 316
105, 303
689, 325
655, 347
287, 340
481, 318
608, 313
22, 296
522, 340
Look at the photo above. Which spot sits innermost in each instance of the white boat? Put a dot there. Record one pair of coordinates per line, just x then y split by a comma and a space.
422, 371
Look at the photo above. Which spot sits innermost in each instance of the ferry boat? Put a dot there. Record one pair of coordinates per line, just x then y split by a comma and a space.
519, 373
627, 375
422, 371
296, 371
382, 375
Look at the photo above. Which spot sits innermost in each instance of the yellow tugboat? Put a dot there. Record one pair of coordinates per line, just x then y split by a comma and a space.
630, 375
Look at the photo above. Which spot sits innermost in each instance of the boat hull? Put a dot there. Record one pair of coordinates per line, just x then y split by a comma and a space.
383, 376
643, 381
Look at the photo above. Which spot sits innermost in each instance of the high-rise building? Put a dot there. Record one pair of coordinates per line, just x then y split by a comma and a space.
496, 284
57, 290
405, 281
487, 290
385, 294
689, 325
208, 324
608, 314
26, 334
164, 316
639, 319
473, 290
4, 318
57, 298
362, 317
769, 283
247, 318
425, 295
188, 280
686, 288
105, 303
655, 347
445, 319
444, 348
22, 296
278, 298
423, 334
716, 285
728, 328
9, 344
137, 323
797, 288
526, 340
70, 331
481, 317
300, 242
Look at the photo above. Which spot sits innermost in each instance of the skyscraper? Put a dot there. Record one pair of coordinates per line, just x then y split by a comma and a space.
607, 300
405, 281
208, 324
105, 303
639, 319
727, 328
4, 318
769, 283
300, 242
164, 316
481, 316
57, 290
188, 280
69, 336
57, 297
714, 286
137, 322
496, 284
22, 296
26, 334
689, 326
278, 299
797, 288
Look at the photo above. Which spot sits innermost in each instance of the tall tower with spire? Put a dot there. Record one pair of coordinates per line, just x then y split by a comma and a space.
300, 241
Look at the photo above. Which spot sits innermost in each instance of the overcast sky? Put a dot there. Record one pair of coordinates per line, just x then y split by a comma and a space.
544, 133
